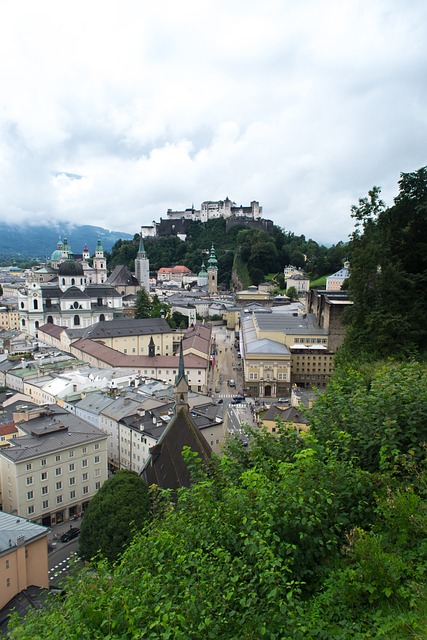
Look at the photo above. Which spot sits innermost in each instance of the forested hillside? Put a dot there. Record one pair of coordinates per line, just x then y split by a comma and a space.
259, 251
37, 242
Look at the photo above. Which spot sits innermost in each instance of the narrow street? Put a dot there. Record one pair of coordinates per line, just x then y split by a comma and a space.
228, 367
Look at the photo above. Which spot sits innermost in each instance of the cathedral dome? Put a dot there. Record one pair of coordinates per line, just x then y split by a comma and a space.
70, 268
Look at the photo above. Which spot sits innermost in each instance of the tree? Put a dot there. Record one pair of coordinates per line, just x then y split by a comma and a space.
143, 304
115, 513
388, 281
292, 293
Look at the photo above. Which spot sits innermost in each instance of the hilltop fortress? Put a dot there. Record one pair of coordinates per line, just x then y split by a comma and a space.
177, 222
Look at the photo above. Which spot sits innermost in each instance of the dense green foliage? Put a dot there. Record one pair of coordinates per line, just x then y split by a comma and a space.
257, 252
293, 538
388, 283
119, 508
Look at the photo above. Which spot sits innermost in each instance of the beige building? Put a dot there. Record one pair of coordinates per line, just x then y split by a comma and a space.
51, 471
312, 365
23, 556
9, 318
266, 343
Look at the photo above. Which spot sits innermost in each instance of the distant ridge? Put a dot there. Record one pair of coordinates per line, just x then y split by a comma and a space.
25, 241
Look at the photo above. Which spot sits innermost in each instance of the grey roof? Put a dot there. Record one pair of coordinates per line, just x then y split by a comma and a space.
94, 403
266, 346
290, 324
126, 327
74, 292
13, 527
121, 276
53, 431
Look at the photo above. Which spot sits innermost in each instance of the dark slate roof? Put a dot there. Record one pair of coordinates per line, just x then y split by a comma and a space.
121, 276
74, 292
285, 414
165, 465
92, 290
127, 327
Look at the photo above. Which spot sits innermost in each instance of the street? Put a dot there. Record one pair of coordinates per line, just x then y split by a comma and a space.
229, 367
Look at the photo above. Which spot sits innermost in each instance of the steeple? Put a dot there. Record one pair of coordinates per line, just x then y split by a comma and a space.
141, 250
181, 385
212, 272
142, 267
151, 348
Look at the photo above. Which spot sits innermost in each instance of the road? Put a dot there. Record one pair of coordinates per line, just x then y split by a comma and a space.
228, 366
63, 560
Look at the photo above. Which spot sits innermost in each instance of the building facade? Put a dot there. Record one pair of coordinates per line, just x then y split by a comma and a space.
54, 468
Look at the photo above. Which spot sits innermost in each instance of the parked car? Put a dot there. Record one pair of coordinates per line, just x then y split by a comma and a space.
231, 382
238, 399
72, 533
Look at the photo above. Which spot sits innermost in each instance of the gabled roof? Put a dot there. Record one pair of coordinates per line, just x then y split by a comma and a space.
165, 465
121, 276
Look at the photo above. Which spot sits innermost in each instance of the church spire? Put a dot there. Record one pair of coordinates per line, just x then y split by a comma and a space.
181, 385
141, 250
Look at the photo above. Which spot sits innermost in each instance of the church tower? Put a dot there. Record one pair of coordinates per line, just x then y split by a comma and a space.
181, 385
212, 272
142, 267
100, 264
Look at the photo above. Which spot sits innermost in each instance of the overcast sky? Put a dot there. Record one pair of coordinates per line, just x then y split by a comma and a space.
112, 112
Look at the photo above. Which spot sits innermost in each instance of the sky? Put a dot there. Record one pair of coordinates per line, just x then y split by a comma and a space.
113, 112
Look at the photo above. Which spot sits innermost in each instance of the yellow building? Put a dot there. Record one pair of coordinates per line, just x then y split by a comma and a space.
23, 556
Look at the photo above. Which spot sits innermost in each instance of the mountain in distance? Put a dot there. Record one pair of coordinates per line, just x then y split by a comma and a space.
39, 241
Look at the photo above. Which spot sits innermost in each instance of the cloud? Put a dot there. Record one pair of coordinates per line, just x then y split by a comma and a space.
114, 112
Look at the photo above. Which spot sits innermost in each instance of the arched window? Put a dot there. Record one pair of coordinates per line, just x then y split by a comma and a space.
36, 324
76, 320
101, 318
81, 280
73, 281
49, 320
22, 305
35, 304
63, 280
23, 322
76, 305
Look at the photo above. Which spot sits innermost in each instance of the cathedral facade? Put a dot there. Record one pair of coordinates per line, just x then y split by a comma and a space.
76, 295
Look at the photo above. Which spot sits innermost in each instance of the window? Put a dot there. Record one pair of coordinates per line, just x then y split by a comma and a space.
72, 495
58, 458
29, 480
71, 467
84, 462
7, 582
7, 564
97, 486
97, 473
85, 490
29, 466
45, 491
84, 449
58, 486
72, 481
58, 499
43, 475
30, 509
76, 321
45, 504
43, 462
97, 446
58, 471
96, 459
30, 495
84, 477
71, 454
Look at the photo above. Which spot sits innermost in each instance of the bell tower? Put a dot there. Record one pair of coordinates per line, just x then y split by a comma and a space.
212, 272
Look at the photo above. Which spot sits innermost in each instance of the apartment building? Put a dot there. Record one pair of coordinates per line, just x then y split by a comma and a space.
52, 471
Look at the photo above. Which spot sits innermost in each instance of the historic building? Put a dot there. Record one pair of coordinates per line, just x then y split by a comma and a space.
68, 300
